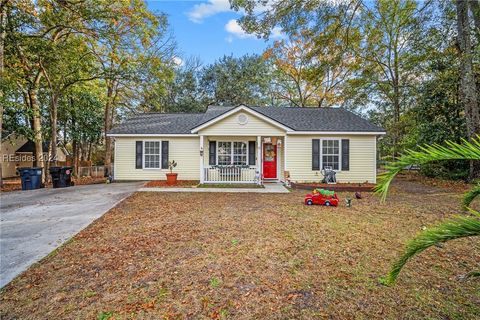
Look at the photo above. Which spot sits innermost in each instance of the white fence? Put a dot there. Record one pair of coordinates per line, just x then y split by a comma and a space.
230, 174
93, 171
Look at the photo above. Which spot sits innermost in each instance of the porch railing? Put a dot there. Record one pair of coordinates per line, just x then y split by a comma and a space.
230, 174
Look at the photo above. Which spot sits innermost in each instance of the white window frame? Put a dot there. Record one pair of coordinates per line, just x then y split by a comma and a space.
339, 152
160, 155
231, 152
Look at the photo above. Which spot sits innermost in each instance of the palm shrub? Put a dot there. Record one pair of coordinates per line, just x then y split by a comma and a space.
465, 225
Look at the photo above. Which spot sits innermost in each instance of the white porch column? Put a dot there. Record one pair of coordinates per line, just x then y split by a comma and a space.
202, 171
259, 158
285, 168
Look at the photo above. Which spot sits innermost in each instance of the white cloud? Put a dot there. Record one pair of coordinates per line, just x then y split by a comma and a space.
204, 10
178, 61
233, 28
277, 33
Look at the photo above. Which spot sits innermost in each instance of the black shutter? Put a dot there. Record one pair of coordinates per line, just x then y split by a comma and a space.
164, 154
138, 154
345, 154
212, 153
316, 154
251, 153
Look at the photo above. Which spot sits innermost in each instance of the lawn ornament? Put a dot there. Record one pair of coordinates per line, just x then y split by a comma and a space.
322, 197
328, 175
348, 202
358, 195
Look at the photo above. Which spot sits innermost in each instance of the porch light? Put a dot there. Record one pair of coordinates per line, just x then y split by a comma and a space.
279, 143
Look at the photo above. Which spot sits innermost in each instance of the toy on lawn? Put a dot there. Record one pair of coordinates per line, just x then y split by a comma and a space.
358, 195
348, 202
322, 197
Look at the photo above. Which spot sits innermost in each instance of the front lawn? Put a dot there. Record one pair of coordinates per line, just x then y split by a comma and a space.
253, 256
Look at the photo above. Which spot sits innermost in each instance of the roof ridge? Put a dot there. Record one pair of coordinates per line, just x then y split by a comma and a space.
167, 113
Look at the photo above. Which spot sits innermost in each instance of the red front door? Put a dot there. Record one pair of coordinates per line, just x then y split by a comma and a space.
269, 161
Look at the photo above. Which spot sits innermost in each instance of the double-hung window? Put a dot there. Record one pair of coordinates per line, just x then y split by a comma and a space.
331, 154
151, 154
231, 153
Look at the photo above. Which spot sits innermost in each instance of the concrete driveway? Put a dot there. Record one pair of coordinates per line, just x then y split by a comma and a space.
33, 223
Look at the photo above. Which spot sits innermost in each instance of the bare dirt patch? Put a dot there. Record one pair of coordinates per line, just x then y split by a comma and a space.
252, 256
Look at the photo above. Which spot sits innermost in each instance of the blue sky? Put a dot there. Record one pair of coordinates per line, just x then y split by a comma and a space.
208, 30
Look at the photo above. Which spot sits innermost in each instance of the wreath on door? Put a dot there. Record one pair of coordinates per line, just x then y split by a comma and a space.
270, 154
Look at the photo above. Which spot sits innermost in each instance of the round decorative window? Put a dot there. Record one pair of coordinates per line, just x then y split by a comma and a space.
242, 118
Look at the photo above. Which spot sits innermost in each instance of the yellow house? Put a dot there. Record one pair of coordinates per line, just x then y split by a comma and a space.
247, 145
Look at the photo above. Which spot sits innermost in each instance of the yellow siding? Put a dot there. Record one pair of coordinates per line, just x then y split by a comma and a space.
280, 151
184, 150
230, 127
362, 159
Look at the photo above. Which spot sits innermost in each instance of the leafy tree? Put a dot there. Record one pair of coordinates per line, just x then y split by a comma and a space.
455, 228
132, 40
81, 119
27, 40
393, 31
314, 64
71, 63
438, 114
52, 46
469, 87
310, 70
234, 81
184, 93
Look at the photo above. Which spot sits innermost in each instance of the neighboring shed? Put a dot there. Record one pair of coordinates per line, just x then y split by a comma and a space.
17, 152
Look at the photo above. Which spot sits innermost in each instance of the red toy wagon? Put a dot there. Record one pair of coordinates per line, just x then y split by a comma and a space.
322, 197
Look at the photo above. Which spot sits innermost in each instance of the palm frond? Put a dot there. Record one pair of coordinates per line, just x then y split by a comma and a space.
471, 195
451, 151
458, 227
472, 274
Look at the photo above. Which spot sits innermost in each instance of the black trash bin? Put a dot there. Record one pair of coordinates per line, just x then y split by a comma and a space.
61, 176
31, 178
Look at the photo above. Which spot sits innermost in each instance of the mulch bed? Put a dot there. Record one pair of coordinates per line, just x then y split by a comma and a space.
11, 185
362, 187
454, 185
88, 180
253, 256
163, 184
16, 184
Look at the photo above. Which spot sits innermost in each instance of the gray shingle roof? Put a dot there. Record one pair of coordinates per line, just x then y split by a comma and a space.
158, 123
298, 119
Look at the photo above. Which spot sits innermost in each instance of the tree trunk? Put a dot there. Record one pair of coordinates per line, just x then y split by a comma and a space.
53, 124
75, 157
108, 121
37, 125
89, 156
3, 35
468, 86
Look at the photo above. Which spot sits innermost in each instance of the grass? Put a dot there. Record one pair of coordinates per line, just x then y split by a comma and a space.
229, 185
253, 256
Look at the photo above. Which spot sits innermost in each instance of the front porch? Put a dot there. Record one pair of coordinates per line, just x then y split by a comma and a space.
242, 159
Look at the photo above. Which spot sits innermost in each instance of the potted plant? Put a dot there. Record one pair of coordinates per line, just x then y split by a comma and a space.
172, 177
